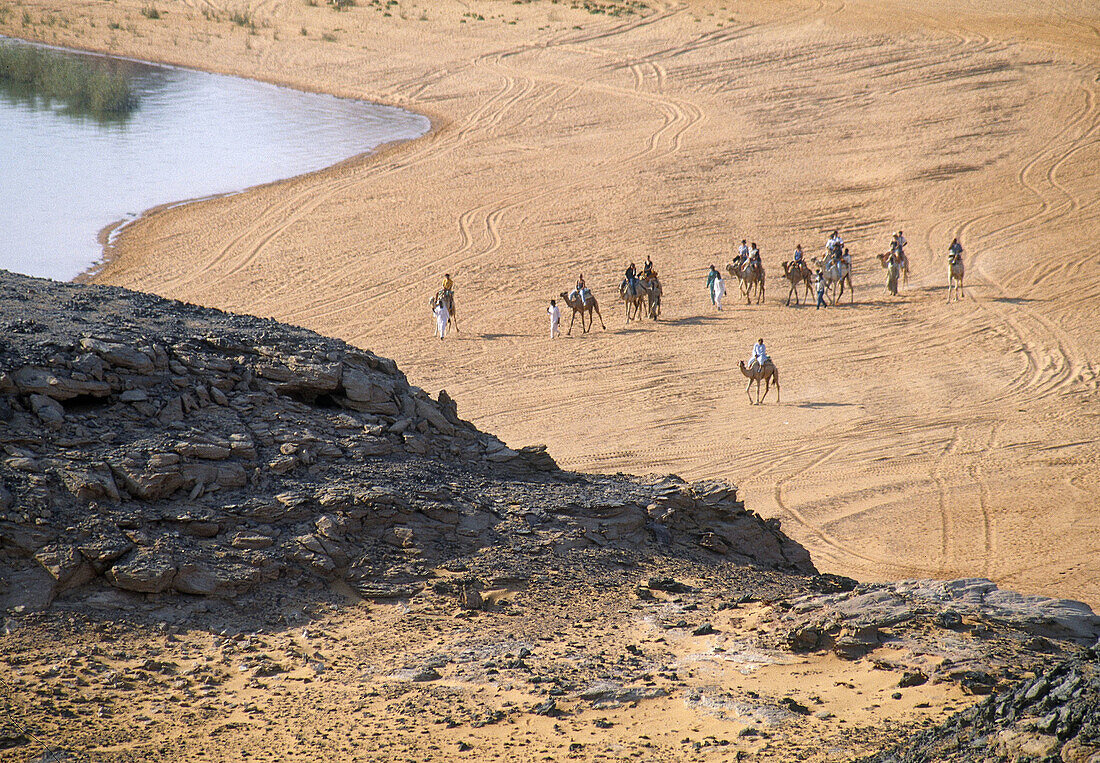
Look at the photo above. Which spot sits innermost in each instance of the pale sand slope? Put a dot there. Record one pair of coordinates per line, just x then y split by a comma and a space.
914, 438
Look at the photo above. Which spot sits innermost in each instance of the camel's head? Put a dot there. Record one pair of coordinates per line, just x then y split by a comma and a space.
564, 295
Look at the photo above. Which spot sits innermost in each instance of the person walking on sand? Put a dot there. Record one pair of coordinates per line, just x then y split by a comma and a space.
555, 319
711, 276
718, 290
442, 315
819, 282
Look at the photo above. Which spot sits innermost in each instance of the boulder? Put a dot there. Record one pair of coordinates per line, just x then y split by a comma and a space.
31, 380
144, 571
119, 355
66, 565
48, 410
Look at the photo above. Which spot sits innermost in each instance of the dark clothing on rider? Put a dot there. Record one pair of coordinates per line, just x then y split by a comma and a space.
630, 273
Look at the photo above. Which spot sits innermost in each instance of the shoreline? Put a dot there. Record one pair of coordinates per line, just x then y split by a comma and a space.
108, 235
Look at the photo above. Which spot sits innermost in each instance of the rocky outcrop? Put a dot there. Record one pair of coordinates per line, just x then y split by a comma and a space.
1051, 717
159, 447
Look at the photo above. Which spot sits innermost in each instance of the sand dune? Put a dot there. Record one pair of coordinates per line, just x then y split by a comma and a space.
914, 438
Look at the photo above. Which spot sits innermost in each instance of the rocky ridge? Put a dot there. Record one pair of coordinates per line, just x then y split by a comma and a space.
163, 447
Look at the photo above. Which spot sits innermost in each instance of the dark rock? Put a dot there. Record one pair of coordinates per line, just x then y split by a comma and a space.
912, 678
806, 638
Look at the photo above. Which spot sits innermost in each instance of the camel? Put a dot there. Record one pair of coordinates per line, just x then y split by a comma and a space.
798, 273
653, 292
955, 271
845, 265
750, 277
448, 298
588, 307
835, 271
892, 265
634, 294
767, 374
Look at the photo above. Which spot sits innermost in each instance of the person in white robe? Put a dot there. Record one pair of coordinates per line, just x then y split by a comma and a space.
555, 319
442, 315
718, 290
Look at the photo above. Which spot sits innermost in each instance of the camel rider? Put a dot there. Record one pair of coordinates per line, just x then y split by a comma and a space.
834, 243
448, 283
648, 273
712, 276
798, 255
900, 238
743, 252
759, 354
631, 276
954, 251
754, 254
580, 291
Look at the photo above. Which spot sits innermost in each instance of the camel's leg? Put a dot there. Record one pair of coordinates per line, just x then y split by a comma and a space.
601, 318
748, 391
789, 297
767, 387
775, 378
570, 331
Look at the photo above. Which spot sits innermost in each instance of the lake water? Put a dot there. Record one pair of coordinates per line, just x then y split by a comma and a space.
64, 177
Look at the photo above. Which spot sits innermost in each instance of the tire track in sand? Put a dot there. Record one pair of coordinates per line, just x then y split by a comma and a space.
677, 118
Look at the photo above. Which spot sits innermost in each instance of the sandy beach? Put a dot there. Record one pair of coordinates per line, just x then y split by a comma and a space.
915, 438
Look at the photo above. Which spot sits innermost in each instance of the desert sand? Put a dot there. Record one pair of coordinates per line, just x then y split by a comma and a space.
915, 438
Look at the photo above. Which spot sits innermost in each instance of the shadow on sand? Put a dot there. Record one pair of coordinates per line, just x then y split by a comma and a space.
827, 405
694, 320
1014, 300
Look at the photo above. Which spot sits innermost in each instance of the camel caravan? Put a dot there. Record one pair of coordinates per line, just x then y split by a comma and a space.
640, 292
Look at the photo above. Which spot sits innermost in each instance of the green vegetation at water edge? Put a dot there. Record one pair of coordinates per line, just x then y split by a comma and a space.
82, 85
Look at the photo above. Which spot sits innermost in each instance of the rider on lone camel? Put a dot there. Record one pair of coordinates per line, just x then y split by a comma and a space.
448, 283
798, 254
759, 355
955, 250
